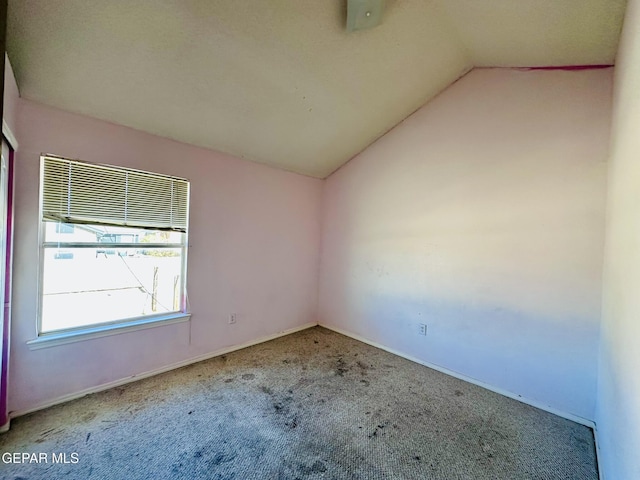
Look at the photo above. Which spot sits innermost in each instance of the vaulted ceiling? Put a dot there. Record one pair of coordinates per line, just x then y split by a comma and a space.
282, 82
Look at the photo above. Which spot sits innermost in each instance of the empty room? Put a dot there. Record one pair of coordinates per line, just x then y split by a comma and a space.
339, 239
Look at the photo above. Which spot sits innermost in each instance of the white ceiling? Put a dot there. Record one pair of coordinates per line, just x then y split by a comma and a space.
282, 82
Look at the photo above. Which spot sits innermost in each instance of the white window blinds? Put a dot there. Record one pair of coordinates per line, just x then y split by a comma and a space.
79, 192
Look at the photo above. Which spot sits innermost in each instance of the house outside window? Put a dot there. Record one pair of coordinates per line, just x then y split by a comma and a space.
114, 245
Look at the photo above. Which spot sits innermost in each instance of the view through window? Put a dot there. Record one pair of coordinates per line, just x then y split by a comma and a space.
97, 274
114, 245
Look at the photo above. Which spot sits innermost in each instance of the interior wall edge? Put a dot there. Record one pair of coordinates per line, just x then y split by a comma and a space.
8, 135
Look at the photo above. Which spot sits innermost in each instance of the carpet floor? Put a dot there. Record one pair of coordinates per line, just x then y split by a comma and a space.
314, 404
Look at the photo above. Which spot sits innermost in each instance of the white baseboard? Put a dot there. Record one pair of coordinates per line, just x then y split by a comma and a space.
598, 455
151, 373
5, 428
133, 378
506, 393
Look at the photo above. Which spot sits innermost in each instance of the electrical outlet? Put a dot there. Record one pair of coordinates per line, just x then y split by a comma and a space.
233, 317
423, 329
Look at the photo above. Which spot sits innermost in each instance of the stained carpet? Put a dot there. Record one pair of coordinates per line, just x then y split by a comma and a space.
314, 405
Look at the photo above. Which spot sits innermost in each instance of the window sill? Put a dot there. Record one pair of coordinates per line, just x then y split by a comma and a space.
53, 339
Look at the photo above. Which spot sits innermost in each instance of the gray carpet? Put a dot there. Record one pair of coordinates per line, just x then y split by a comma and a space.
314, 405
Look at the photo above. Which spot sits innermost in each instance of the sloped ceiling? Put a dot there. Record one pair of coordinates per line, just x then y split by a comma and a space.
282, 82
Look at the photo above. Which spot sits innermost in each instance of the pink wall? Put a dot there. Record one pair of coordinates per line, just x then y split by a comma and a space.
481, 216
254, 242
618, 410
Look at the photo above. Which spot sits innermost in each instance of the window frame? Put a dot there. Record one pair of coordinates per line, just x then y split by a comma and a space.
84, 332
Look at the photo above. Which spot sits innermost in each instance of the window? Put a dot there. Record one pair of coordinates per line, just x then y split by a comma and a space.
64, 228
114, 245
